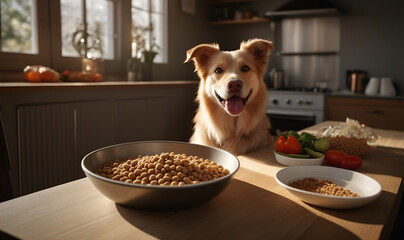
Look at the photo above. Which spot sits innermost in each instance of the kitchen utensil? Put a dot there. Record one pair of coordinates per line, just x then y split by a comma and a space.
156, 197
277, 78
356, 80
372, 88
387, 87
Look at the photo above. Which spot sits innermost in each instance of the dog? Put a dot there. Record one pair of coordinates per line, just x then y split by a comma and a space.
231, 96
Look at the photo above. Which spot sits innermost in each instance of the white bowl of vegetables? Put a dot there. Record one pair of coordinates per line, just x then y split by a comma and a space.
293, 149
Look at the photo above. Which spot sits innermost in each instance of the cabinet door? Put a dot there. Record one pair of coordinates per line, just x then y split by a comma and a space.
46, 146
375, 113
53, 139
142, 119
95, 127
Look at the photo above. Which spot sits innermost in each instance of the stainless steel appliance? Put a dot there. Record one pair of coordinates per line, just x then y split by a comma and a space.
307, 40
307, 47
295, 109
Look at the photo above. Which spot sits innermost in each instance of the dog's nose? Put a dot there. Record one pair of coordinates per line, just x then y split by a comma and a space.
235, 85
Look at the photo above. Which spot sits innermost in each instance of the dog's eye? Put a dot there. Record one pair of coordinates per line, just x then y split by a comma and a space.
245, 68
218, 70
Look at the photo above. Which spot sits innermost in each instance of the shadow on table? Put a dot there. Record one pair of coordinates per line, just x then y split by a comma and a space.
260, 214
365, 214
385, 161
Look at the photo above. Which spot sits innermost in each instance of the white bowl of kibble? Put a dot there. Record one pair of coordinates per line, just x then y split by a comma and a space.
329, 187
160, 175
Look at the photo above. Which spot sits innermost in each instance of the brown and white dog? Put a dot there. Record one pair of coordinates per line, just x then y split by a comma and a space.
232, 96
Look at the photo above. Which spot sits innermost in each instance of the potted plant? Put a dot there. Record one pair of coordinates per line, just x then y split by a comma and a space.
149, 53
134, 67
143, 52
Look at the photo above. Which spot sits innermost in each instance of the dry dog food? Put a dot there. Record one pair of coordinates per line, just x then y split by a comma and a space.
351, 146
163, 169
351, 137
322, 186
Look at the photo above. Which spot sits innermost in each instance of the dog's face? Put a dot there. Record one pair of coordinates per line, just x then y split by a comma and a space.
231, 78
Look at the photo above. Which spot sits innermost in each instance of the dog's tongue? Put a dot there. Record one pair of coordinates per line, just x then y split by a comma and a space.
234, 105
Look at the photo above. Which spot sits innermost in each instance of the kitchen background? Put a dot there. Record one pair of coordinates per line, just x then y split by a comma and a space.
371, 37
50, 127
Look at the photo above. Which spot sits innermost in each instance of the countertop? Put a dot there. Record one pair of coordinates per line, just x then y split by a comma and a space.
341, 93
362, 95
253, 206
46, 85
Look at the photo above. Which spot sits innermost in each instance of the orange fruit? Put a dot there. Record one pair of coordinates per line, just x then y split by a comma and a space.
48, 76
33, 76
97, 77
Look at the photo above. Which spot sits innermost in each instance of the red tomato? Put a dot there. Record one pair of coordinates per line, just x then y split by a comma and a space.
289, 146
280, 144
351, 162
334, 157
340, 159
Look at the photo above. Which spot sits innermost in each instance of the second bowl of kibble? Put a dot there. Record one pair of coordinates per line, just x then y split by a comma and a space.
329, 187
160, 175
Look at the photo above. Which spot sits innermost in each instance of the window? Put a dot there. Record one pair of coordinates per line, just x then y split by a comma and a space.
42, 32
149, 28
18, 26
99, 16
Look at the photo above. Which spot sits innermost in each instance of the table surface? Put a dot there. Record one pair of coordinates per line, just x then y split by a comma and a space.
253, 206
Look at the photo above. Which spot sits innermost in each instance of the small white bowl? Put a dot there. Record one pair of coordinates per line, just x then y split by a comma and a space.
366, 187
288, 161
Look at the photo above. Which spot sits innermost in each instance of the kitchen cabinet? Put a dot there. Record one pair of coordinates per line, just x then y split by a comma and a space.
384, 113
55, 137
51, 127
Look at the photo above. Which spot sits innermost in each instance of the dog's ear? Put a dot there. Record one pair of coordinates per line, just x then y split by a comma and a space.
259, 50
201, 55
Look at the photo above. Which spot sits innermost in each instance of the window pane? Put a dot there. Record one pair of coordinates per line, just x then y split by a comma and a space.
158, 25
100, 18
141, 24
71, 19
140, 4
157, 6
18, 26
100, 28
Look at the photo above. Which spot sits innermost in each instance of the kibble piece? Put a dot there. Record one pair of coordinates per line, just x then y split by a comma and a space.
132, 175
321, 186
165, 169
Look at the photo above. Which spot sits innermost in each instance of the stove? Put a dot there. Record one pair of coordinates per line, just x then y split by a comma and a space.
295, 109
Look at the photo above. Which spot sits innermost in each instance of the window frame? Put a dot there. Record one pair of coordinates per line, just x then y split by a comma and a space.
49, 42
110, 66
18, 61
163, 51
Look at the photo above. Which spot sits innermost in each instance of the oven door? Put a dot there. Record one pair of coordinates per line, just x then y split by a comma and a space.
296, 120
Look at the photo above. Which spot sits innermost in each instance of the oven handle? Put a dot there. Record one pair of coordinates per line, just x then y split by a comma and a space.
290, 113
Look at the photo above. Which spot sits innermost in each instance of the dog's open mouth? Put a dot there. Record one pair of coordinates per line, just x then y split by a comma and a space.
235, 104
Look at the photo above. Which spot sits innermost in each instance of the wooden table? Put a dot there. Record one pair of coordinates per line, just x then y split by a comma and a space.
253, 206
